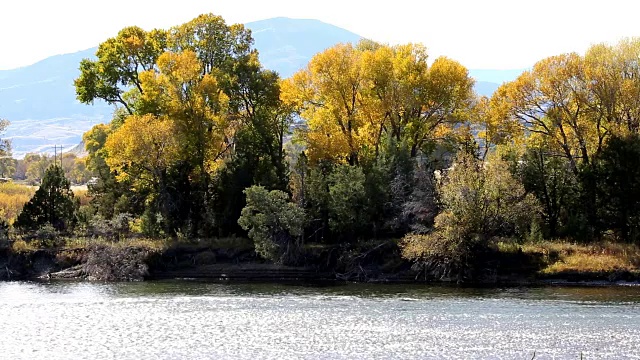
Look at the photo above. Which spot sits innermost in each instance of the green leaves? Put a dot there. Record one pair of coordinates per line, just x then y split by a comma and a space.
53, 203
116, 70
274, 224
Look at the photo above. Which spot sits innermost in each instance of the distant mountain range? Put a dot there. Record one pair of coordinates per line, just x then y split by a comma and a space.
40, 102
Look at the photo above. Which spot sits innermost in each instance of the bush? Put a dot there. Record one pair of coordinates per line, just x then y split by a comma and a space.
481, 202
274, 224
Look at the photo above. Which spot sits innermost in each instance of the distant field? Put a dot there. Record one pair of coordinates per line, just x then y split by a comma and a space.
13, 196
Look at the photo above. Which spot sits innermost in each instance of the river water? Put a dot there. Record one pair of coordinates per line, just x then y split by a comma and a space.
191, 320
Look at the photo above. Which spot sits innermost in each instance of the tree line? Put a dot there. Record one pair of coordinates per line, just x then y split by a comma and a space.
368, 141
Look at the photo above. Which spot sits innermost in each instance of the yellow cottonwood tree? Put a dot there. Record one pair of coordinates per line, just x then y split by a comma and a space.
142, 150
575, 103
119, 61
194, 102
352, 97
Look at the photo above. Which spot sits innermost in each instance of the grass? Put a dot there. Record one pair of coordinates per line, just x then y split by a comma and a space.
158, 244
21, 247
146, 243
12, 198
562, 257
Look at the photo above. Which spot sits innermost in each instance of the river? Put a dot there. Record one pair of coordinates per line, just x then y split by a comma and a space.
192, 320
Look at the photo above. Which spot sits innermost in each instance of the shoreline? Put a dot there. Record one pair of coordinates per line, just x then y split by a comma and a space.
210, 262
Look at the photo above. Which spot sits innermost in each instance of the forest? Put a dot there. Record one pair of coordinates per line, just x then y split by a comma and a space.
369, 144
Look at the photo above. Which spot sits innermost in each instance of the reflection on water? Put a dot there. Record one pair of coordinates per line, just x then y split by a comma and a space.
179, 319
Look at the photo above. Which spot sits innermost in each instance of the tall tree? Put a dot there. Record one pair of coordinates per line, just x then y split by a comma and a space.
114, 75
53, 203
352, 97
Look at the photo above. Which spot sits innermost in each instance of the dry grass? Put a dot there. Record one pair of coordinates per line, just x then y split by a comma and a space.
145, 243
565, 257
21, 246
12, 198
82, 196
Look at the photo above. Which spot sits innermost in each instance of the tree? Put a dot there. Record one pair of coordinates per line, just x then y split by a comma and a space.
556, 187
107, 194
196, 105
143, 149
577, 102
116, 71
617, 175
573, 105
5, 145
352, 97
37, 165
53, 203
481, 202
141, 152
7, 164
274, 224
205, 78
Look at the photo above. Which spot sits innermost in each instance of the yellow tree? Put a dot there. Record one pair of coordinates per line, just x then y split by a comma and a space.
352, 97
493, 127
576, 102
547, 101
143, 149
196, 105
328, 92
113, 76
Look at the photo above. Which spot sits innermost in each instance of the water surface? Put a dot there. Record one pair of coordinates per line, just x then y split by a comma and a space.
190, 320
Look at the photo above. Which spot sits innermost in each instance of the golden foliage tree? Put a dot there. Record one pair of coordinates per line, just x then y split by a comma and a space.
354, 96
576, 102
142, 150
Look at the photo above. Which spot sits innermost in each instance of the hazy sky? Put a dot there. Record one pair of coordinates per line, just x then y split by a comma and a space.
489, 34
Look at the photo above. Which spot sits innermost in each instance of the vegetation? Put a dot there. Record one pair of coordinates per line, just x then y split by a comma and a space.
33, 166
12, 198
274, 224
52, 204
481, 204
369, 142
561, 258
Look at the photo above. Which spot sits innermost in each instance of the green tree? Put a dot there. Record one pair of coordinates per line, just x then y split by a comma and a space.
114, 75
556, 187
274, 224
37, 165
617, 176
203, 77
53, 203
108, 196
7, 164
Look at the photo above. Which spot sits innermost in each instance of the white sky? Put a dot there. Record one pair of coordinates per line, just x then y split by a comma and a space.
481, 34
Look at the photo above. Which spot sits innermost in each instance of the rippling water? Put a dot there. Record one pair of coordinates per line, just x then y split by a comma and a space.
187, 320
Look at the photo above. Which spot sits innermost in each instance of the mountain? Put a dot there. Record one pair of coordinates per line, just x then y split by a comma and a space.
40, 102
286, 45
488, 80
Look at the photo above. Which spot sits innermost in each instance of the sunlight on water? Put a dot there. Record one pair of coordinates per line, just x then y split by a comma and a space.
176, 320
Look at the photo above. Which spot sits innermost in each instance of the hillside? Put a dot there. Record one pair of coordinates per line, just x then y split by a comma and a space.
41, 104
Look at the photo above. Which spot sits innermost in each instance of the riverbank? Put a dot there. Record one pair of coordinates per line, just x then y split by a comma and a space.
234, 260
